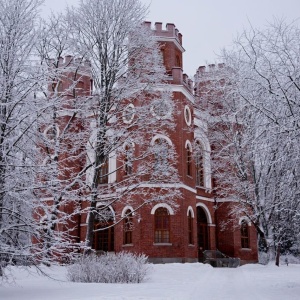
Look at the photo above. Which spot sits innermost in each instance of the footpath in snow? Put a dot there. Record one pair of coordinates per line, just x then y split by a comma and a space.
169, 281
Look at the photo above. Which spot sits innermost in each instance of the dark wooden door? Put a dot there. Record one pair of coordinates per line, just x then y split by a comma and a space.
202, 233
104, 239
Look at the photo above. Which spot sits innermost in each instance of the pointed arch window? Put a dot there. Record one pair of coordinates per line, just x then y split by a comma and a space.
104, 231
244, 234
190, 228
103, 172
199, 165
128, 227
162, 225
189, 160
128, 159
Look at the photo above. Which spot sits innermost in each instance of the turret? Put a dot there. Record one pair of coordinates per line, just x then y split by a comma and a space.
170, 40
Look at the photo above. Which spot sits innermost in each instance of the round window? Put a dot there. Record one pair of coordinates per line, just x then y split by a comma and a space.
160, 109
187, 115
128, 114
51, 132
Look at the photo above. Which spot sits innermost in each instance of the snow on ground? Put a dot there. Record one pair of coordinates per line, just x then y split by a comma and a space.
169, 281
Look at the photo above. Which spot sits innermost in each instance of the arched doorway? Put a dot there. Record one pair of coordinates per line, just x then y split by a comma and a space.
202, 233
104, 236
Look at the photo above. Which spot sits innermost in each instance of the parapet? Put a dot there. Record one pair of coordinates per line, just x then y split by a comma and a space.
171, 31
72, 63
207, 70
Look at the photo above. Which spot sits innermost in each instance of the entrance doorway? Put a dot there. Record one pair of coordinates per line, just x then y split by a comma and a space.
202, 233
104, 236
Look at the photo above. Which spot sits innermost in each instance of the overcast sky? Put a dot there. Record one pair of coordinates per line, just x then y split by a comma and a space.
208, 25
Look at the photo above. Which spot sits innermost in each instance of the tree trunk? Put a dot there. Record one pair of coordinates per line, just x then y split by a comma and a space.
277, 255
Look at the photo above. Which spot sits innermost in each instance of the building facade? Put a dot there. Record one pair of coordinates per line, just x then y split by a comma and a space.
162, 232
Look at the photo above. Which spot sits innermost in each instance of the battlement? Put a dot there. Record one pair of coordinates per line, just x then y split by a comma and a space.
170, 32
206, 72
72, 63
209, 68
178, 77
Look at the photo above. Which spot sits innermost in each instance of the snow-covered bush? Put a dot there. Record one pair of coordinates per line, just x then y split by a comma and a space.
123, 267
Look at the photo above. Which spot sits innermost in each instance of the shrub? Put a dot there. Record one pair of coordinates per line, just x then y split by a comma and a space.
123, 267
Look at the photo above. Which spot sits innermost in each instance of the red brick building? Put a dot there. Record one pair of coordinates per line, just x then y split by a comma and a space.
158, 230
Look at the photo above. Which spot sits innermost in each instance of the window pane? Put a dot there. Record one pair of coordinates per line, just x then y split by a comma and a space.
162, 223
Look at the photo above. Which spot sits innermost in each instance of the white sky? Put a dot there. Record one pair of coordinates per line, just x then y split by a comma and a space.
209, 25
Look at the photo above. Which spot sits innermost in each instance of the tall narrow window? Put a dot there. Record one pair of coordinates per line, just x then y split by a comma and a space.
128, 227
190, 228
128, 160
104, 231
199, 165
162, 225
178, 62
103, 172
189, 160
244, 234
161, 153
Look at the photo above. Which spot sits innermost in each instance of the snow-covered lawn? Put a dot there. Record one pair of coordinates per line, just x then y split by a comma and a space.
169, 281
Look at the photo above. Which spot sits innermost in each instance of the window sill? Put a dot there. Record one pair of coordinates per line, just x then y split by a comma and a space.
127, 245
246, 249
162, 244
191, 245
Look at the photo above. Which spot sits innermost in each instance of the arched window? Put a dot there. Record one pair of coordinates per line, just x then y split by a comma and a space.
244, 234
104, 231
190, 228
199, 165
161, 225
128, 227
103, 172
128, 159
161, 154
188, 160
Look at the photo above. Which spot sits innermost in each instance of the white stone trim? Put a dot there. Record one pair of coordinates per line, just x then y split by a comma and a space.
103, 204
202, 205
125, 209
178, 88
47, 199
188, 110
170, 39
246, 219
226, 200
167, 206
159, 185
190, 209
124, 112
205, 199
188, 143
169, 185
161, 136
130, 144
50, 127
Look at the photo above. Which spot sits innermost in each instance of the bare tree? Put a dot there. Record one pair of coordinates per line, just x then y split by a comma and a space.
18, 20
128, 90
254, 108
